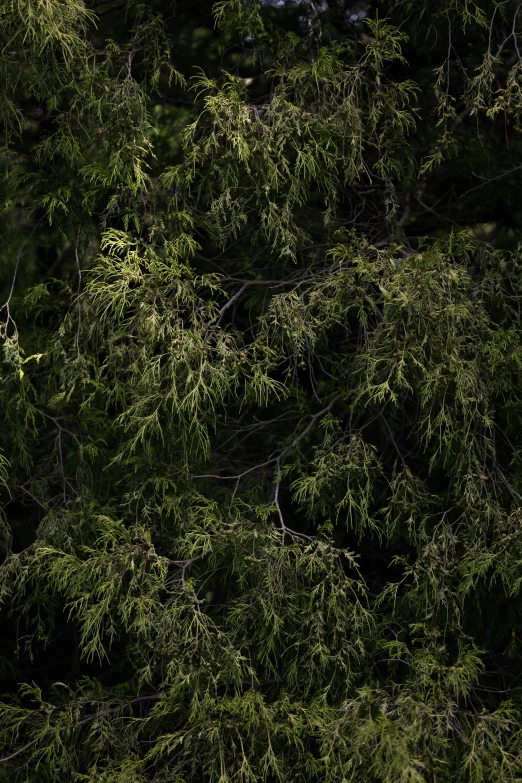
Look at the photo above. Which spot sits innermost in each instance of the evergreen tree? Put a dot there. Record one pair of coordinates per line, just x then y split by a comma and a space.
261, 438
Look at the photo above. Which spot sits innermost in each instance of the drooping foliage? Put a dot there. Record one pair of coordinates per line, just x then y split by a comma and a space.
261, 437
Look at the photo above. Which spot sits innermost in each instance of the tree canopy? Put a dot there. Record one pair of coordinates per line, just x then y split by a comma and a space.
261, 443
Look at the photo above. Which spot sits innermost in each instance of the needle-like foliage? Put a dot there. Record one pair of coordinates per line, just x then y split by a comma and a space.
261, 443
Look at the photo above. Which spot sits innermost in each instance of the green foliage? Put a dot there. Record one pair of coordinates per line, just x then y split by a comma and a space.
260, 460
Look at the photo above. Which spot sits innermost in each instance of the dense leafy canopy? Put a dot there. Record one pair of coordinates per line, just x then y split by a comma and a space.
261, 436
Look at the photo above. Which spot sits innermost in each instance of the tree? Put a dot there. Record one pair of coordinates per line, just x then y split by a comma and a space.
261, 442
